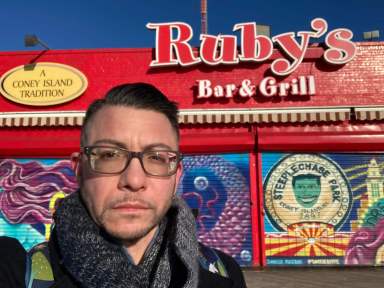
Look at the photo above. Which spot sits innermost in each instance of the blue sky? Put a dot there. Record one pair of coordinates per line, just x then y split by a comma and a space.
73, 24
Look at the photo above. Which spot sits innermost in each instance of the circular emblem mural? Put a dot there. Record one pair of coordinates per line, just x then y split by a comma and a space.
306, 188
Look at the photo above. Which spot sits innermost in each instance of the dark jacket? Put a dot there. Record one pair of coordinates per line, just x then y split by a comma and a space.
12, 263
13, 259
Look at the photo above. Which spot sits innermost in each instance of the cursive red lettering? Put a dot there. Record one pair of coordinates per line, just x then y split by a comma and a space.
170, 51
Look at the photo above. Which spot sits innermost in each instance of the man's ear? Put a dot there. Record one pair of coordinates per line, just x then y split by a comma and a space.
75, 164
179, 174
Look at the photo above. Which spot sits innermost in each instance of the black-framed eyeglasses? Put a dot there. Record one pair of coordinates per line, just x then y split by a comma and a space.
114, 160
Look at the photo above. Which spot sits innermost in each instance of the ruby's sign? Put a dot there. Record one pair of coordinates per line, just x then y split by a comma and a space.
173, 47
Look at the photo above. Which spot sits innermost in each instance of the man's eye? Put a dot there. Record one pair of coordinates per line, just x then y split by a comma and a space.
108, 155
158, 157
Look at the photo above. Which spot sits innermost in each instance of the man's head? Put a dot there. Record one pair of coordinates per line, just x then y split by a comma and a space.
135, 95
129, 166
307, 189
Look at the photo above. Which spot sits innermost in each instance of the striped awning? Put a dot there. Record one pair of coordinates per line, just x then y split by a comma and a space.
36, 119
369, 113
264, 115
206, 116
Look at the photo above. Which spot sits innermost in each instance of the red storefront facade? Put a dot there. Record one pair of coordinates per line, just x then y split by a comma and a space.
250, 160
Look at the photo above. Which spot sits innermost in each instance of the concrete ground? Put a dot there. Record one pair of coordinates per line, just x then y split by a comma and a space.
351, 277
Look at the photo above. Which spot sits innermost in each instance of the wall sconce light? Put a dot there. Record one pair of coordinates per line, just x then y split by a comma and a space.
33, 40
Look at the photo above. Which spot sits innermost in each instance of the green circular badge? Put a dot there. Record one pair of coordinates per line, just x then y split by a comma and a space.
306, 188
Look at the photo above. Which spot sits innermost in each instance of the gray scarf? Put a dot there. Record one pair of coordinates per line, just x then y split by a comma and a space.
94, 259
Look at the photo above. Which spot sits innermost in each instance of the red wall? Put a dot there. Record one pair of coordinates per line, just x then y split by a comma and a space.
357, 83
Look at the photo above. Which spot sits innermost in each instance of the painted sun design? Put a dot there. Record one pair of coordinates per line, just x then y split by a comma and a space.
307, 240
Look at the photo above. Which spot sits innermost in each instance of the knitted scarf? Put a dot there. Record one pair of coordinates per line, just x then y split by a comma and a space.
94, 259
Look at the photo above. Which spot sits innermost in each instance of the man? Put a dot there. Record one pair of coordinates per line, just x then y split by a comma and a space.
126, 227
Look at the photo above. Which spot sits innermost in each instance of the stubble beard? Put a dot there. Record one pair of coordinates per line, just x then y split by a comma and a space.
129, 228
132, 228
134, 234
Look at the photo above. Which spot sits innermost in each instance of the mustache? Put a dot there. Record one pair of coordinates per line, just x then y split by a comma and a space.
130, 199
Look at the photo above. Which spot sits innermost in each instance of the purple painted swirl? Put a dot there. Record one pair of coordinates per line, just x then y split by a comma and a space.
26, 189
363, 246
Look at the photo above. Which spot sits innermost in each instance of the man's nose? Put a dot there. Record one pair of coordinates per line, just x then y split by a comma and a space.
133, 177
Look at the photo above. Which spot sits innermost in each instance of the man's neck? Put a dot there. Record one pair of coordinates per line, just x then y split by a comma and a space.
136, 250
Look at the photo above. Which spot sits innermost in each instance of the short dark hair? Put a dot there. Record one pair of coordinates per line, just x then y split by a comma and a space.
137, 95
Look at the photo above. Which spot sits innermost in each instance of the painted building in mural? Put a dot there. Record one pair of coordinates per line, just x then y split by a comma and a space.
283, 162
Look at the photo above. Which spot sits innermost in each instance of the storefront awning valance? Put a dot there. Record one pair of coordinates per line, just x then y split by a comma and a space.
369, 113
206, 116
264, 115
41, 119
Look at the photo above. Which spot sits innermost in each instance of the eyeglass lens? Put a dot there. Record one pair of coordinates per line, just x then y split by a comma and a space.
114, 160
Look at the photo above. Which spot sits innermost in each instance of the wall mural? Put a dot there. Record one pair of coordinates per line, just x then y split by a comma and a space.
323, 209
29, 189
216, 185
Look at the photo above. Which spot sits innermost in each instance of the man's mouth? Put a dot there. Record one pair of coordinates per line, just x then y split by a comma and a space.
130, 206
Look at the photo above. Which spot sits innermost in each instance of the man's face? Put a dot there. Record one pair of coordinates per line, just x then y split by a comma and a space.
307, 191
130, 205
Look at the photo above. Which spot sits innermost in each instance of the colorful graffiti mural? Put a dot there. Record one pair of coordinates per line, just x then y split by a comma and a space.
218, 187
323, 209
29, 189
